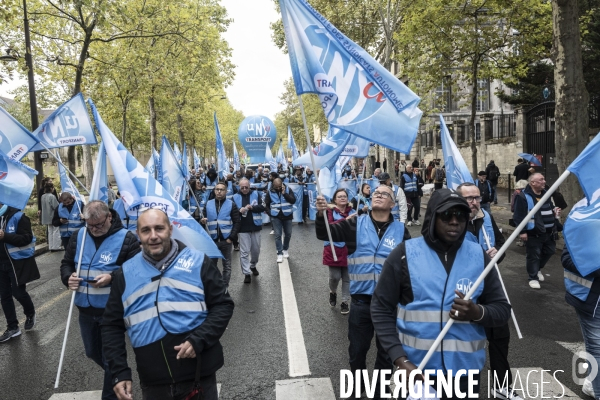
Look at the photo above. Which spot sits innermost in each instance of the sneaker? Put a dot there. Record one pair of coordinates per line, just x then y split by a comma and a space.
9, 334
279, 258
286, 254
417, 223
272, 232
30, 322
588, 388
541, 276
344, 308
409, 223
236, 248
248, 278
534, 285
506, 393
332, 299
254, 271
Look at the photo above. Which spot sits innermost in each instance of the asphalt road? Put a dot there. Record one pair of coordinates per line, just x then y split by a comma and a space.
256, 341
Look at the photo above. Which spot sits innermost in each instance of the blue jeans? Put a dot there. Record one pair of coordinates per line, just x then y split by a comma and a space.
91, 334
278, 226
539, 250
590, 328
8, 289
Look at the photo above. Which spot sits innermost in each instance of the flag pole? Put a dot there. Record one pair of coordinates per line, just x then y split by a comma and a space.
312, 160
494, 260
362, 178
67, 169
64, 346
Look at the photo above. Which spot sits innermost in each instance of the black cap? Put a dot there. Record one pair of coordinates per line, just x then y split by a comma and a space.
448, 198
384, 176
481, 173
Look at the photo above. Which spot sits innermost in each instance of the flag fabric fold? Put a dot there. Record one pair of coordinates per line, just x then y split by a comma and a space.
171, 172
176, 152
184, 164
16, 182
66, 183
269, 158
151, 164
292, 145
456, 168
236, 158
196, 161
281, 157
99, 188
327, 153
221, 157
15, 139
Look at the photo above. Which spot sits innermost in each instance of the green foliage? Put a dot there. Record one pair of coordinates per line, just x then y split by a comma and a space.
529, 89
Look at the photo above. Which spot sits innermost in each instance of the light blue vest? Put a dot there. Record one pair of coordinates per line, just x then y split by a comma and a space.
489, 229
156, 304
256, 217
129, 221
95, 262
75, 221
18, 253
210, 185
221, 221
410, 184
279, 203
336, 217
364, 265
229, 193
420, 322
577, 285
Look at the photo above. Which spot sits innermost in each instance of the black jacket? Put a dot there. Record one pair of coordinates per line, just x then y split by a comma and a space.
289, 197
156, 362
247, 222
590, 305
486, 190
395, 287
68, 265
474, 226
492, 167
522, 209
26, 269
521, 172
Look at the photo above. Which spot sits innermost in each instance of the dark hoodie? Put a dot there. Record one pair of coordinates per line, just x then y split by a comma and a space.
395, 287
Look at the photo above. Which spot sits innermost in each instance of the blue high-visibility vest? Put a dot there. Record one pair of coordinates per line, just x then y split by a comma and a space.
221, 221
279, 203
158, 303
256, 217
577, 285
489, 229
229, 193
18, 253
336, 217
420, 321
95, 262
364, 265
410, 184
74, 219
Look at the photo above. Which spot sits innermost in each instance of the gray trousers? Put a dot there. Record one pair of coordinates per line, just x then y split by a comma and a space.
249, 250
226, 249
335, 274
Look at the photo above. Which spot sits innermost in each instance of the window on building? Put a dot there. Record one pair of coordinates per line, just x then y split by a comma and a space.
443, 96
483, 95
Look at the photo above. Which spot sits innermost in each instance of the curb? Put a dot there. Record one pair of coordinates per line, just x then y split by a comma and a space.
40, 249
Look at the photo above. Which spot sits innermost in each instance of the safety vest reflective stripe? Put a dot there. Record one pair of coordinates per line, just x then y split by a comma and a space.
364, 277
93, 290
219, 221
578, 279
278, 205
174, 283
149, 288
449, 345
75, 221
95, 272
15, 249
164, 307
425, 316
366, 260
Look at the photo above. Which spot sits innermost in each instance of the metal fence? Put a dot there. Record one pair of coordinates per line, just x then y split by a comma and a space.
504, 126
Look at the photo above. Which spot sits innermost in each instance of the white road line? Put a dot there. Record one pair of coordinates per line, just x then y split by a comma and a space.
573, 347
304, 389
298, 359
48, 304
51, 334
93, 395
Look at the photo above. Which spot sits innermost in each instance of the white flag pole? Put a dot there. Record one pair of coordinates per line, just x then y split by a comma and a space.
362, 178
312, 160
494, 260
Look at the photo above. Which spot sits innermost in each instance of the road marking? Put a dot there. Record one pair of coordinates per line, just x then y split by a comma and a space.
304, 389
573, 347
51, 334
48, 304
93, 395
298, 358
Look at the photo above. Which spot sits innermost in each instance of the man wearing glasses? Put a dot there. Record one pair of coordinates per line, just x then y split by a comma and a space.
370, 238
104, 245
251, 209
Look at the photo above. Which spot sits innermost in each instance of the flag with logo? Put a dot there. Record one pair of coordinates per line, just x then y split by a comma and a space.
357, 94
68, 125
66, 183
281, 157
328, 151
236, 158
356, 147
171, 172
456, 168
16, 182
312, 200
221, 157
140, 191
269, 159
15, 139
99, 188
583, 223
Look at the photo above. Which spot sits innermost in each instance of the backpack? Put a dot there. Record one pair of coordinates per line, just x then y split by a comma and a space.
493, 174
439, 174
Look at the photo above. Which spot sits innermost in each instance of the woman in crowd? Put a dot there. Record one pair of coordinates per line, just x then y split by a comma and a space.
49, 204
195, 193
362, 202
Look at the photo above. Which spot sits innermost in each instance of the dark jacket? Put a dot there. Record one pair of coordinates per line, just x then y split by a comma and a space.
68, 265
156, 362
56, 218
521, 172
590, 305
522, 209
247, 222
394, 284
492, 167
235, 219
26, 269
420, 184
474, 226
486, 190
290, 197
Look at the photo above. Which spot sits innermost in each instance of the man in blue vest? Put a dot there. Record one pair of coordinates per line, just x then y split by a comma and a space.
400, 209
17, 268
177, 348
251, 208
411, 183
210, 181
423, 284
105, 246
222, 218
279, 203
67, 217
369, 238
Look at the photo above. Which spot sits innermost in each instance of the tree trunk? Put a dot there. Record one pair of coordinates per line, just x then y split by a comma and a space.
180, 130
571, 113
153, 132
472, 121
124, 121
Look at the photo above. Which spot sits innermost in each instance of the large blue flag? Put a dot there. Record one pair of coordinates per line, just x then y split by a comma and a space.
68, 125
16, 182
326, 153
358, 94
221, 157
66, 183
456, 169
141, 191
236, 158
171, 172
196, 161
15, 139
269, 159
583, 223
184, 163
99, 189
177, 152
292, 145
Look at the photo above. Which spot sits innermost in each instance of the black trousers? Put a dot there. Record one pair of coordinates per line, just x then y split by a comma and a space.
498, 341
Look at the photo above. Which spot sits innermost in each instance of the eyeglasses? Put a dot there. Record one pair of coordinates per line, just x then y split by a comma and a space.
384, 195
460, 215
98, 226
472, 199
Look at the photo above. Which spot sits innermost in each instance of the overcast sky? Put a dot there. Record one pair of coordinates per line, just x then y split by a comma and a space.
261, 68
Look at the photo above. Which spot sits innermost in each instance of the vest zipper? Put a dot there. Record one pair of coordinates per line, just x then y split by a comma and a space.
166, 361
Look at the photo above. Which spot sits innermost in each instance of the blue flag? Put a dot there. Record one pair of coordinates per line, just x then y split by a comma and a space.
236, 158
356, 147
171, 172
312, 200
290, 138
456, 169
269, 159
66, 183
281, 157
99, 189
350, 187
151, 164
184, 164
68, 125
16, 182
197, 162
583, 223
357, 94
221, 157
15, 139
176, 152
141, 191
299, 193
292, 145
327, 153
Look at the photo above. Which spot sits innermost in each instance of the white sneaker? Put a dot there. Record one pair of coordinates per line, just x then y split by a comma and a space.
279, 258
541, 276
505, 394
272, 232
409, 223
286, 254
417, 223
588, 388
534, 285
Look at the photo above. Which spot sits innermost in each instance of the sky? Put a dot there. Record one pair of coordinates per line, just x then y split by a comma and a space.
261, 68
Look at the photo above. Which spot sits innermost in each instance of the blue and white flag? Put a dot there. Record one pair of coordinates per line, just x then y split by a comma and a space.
221, 157
151, 164
456, 169
176, 152
292, 145
299, 193
99, 189
326, 154
328, 182
171, 172
68, 125
290, 138
281, 157
312, 200
583, 223
15, 139
356, 147
140, 191
350, 187
197, 161
16, 182
184, 164
269, 159
236, 158
66, 183
358, 94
